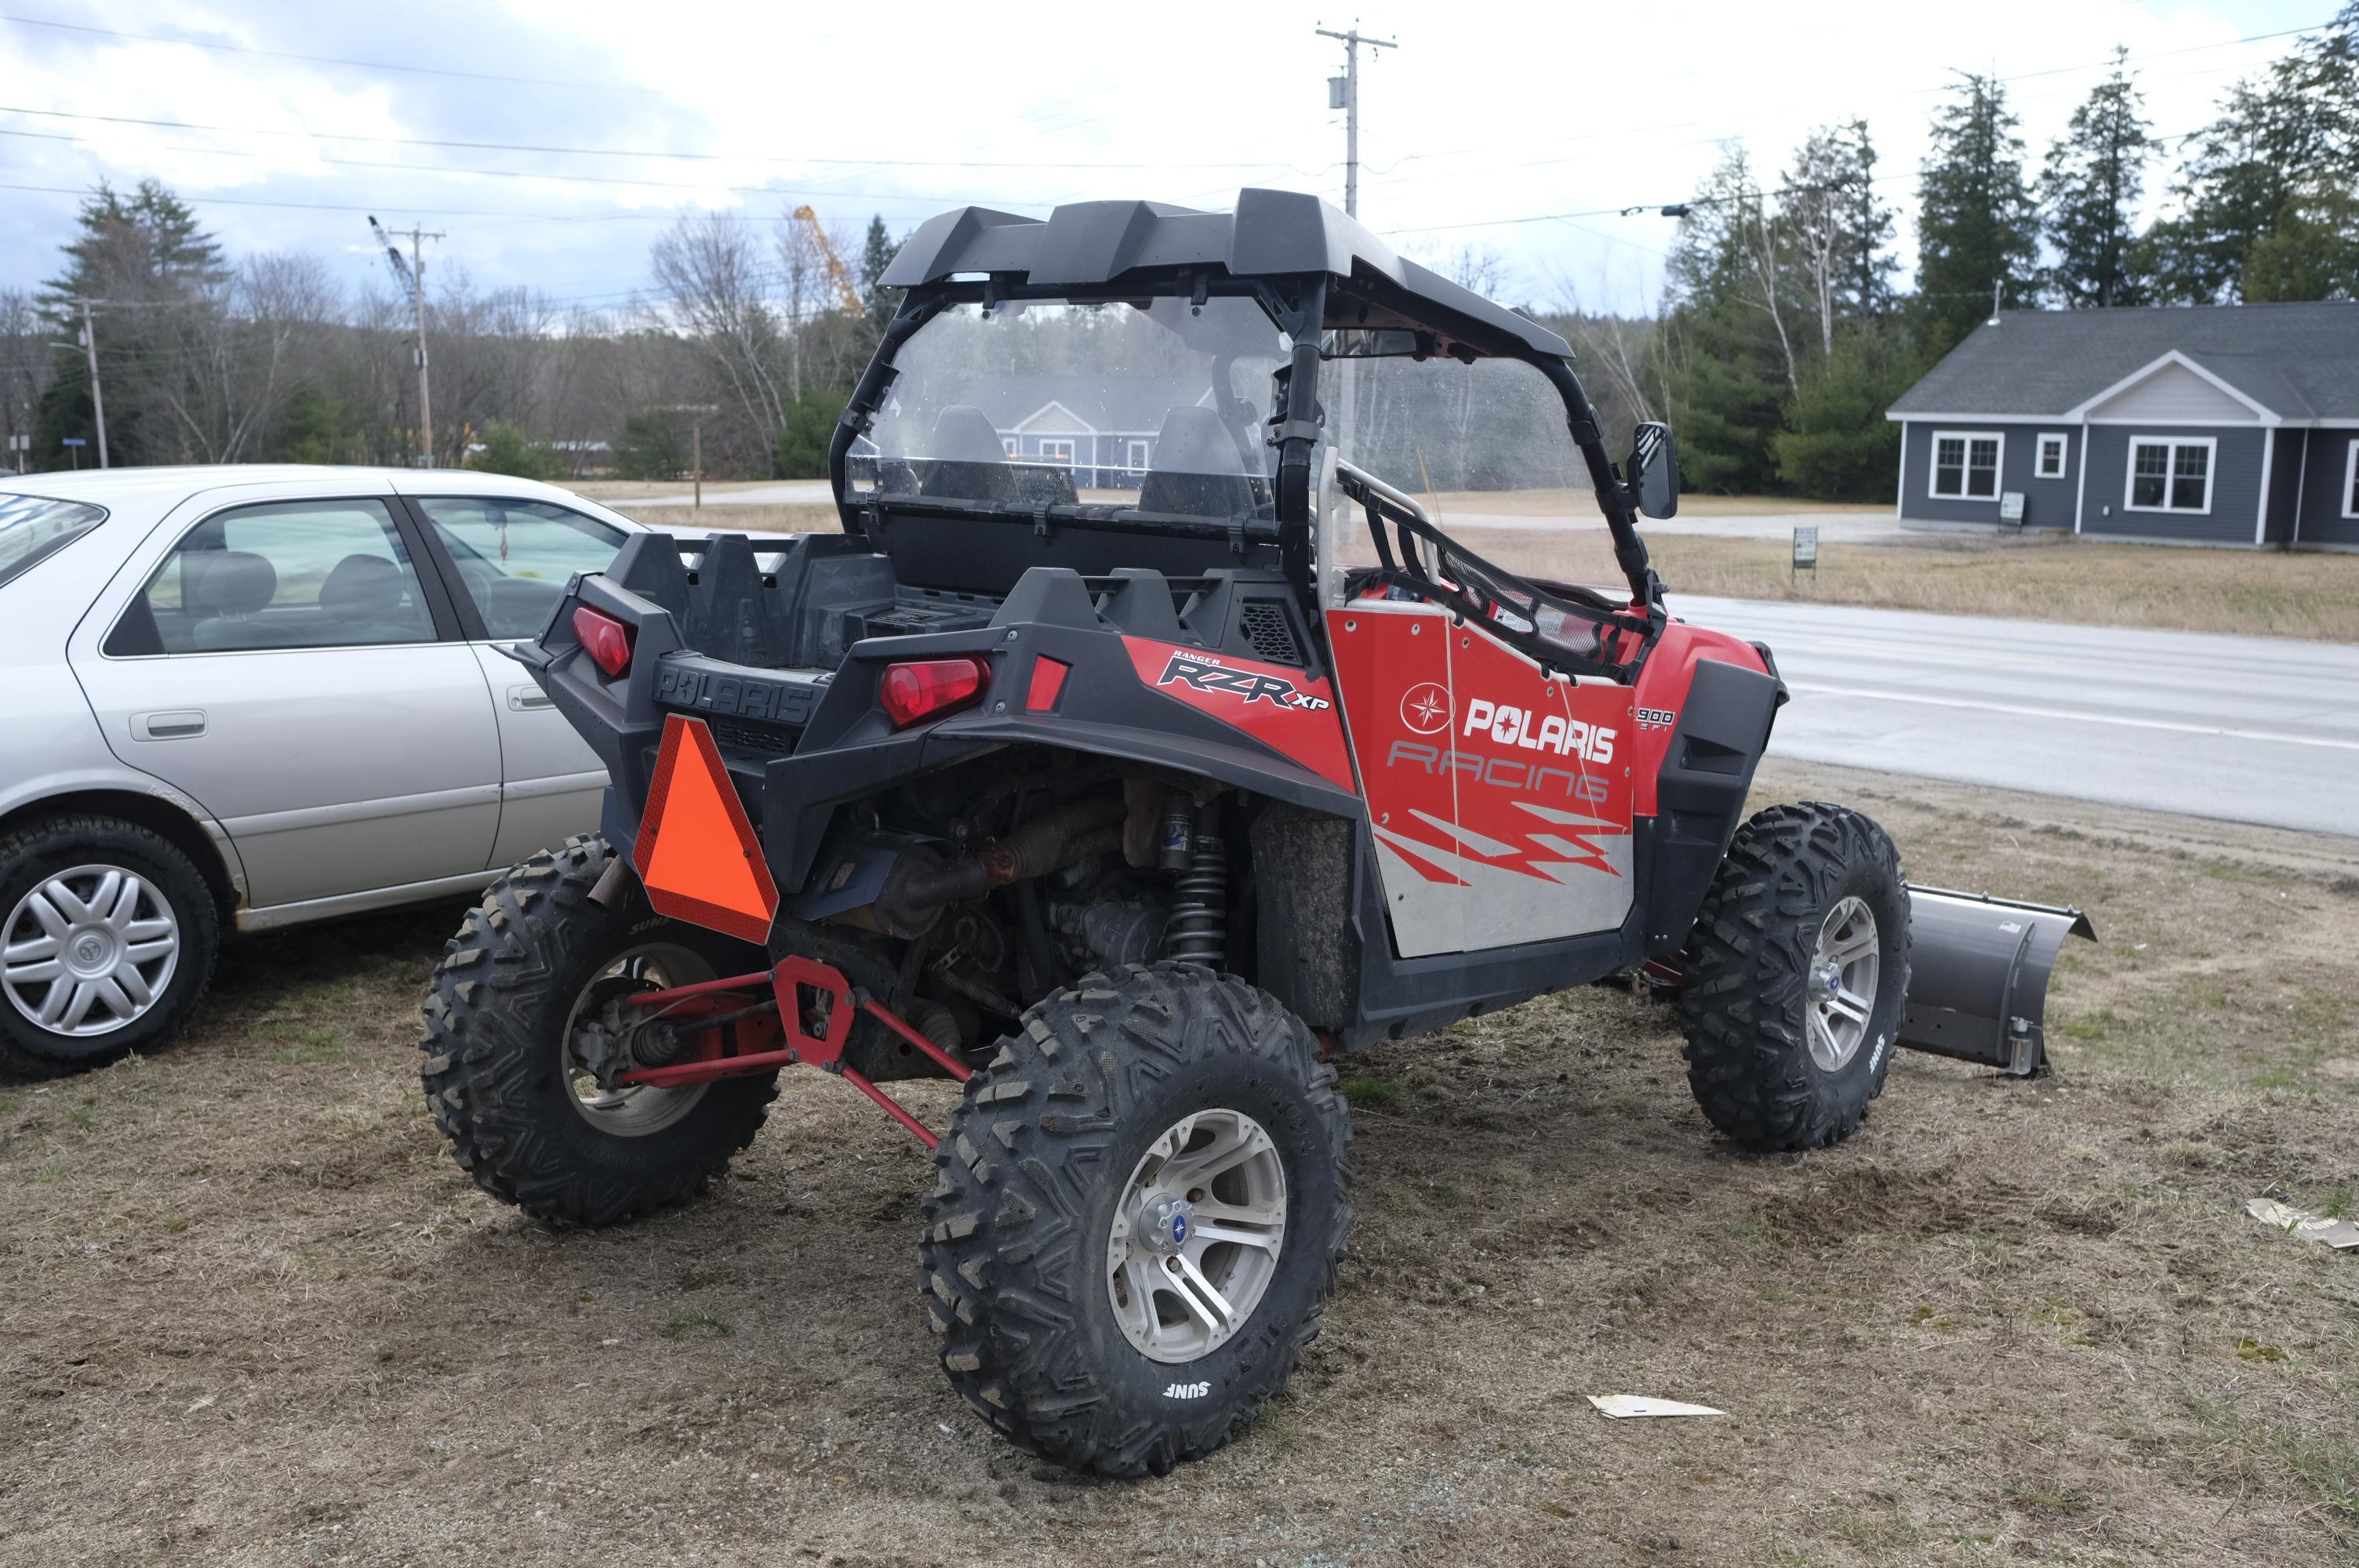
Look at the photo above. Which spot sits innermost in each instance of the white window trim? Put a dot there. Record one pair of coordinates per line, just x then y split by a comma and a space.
1013, 445
1066, 457
1933, 465
1135, 454
2170, 475
2063, 455
2350, 478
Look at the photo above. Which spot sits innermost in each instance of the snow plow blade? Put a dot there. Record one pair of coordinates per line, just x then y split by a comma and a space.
1978, 976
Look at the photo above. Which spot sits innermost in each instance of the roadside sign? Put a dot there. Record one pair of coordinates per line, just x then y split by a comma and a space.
1806, 550
2010, 507
73, 441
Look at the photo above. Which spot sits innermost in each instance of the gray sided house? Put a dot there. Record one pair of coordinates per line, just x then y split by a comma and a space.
2216, 425
1105, 429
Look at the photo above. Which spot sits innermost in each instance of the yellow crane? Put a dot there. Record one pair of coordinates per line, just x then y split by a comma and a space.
847, 296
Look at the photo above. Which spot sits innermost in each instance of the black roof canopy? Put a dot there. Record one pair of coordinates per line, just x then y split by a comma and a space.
1272, 233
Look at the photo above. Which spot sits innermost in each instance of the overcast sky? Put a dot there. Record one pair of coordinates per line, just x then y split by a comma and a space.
1493, 125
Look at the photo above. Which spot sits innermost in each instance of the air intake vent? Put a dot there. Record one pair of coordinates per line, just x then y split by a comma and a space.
1264, 625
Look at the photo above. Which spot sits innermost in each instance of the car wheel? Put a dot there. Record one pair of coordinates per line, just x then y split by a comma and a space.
107, 937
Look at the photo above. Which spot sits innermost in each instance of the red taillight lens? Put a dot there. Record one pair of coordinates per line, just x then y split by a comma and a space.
916, 691
608, 640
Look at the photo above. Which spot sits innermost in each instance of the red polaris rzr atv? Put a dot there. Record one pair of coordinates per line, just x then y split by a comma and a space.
1143, 743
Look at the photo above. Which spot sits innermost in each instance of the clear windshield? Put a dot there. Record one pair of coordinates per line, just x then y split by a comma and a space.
1154, 408
1485, 448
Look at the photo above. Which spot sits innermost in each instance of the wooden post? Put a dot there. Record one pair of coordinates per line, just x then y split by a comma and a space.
696, 458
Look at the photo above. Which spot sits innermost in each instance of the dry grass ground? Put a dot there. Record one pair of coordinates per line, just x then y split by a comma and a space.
2270, 593
251, 1313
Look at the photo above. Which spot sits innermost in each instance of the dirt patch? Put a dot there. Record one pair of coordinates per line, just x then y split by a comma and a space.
250, 1312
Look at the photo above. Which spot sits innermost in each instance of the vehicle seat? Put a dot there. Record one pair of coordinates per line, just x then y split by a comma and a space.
966, 461
365, 600
1195, 468
221, 590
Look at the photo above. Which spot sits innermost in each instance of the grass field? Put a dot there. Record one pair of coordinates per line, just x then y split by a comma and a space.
251, 1312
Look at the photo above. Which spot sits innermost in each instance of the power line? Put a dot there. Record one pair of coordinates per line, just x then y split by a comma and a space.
322, 59
453, 144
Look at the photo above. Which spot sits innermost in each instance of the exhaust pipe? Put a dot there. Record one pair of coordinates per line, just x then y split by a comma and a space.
1978, 976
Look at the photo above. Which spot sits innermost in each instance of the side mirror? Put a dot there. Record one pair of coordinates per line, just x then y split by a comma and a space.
1653, 470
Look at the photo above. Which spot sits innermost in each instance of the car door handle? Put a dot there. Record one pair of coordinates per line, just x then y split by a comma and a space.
175, 725
525, 698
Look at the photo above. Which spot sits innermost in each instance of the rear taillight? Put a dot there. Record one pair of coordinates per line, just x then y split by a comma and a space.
608, 640
919, 690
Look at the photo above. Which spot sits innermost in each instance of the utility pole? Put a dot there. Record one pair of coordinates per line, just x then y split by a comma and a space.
89, 345
413, 273
1344, 92
696, 412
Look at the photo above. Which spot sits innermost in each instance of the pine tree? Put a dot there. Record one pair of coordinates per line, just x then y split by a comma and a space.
2096, 175
876, 254
2284, 151
147, 248
1978, 235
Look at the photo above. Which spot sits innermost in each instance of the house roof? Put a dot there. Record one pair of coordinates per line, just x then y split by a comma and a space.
2299, 362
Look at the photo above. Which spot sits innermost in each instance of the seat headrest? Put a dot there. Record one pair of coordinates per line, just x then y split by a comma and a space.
964, 434
362, 588
1193, 440
226, 582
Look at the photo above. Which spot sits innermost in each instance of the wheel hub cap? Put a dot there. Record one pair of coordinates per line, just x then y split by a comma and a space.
1839, 995
89, 950
1196, 1236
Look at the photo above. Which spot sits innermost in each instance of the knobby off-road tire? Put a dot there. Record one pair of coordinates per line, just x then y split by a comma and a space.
1748, 993
496, 1071
156, 950
1016, 1257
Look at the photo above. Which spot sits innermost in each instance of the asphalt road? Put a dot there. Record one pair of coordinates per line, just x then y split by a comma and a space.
2257, 730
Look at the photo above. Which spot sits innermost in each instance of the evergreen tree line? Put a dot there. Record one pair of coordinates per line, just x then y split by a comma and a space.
1783, 336
202, 359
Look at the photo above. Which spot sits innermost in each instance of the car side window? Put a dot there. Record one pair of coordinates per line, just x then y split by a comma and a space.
515, 557
295, 574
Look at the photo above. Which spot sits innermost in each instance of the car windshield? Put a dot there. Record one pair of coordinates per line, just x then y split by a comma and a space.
1483, 448
34, 526
1152, 409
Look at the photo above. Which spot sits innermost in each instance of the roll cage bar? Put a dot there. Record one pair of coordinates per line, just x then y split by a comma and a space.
1304, 307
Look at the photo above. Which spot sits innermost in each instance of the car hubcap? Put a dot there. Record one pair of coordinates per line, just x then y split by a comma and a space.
89, 950
596, 1025
1196, 1236
1841, 992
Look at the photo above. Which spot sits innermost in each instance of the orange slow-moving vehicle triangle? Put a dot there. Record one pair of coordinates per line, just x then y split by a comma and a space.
696, 851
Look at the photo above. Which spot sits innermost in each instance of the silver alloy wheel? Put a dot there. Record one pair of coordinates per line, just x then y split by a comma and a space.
1196, 1236
89, 950
1841, 992
630, 1110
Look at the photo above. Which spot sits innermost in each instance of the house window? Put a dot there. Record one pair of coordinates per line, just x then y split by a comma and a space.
1011, 444
2170, 476
2351, 481
2051, 463
1966, 466
1059, 451
1137, 457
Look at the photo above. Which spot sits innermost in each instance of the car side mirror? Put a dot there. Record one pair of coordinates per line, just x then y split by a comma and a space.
1653, 470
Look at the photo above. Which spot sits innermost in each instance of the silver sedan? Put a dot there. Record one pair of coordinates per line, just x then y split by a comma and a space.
253, 696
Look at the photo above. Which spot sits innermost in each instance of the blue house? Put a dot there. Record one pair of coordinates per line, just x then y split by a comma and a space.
2216, 425
1104, 428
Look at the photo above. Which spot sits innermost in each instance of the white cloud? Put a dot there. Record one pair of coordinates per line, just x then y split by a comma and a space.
1484, 113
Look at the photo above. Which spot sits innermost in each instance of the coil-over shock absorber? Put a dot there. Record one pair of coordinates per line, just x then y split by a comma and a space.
1199, 931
